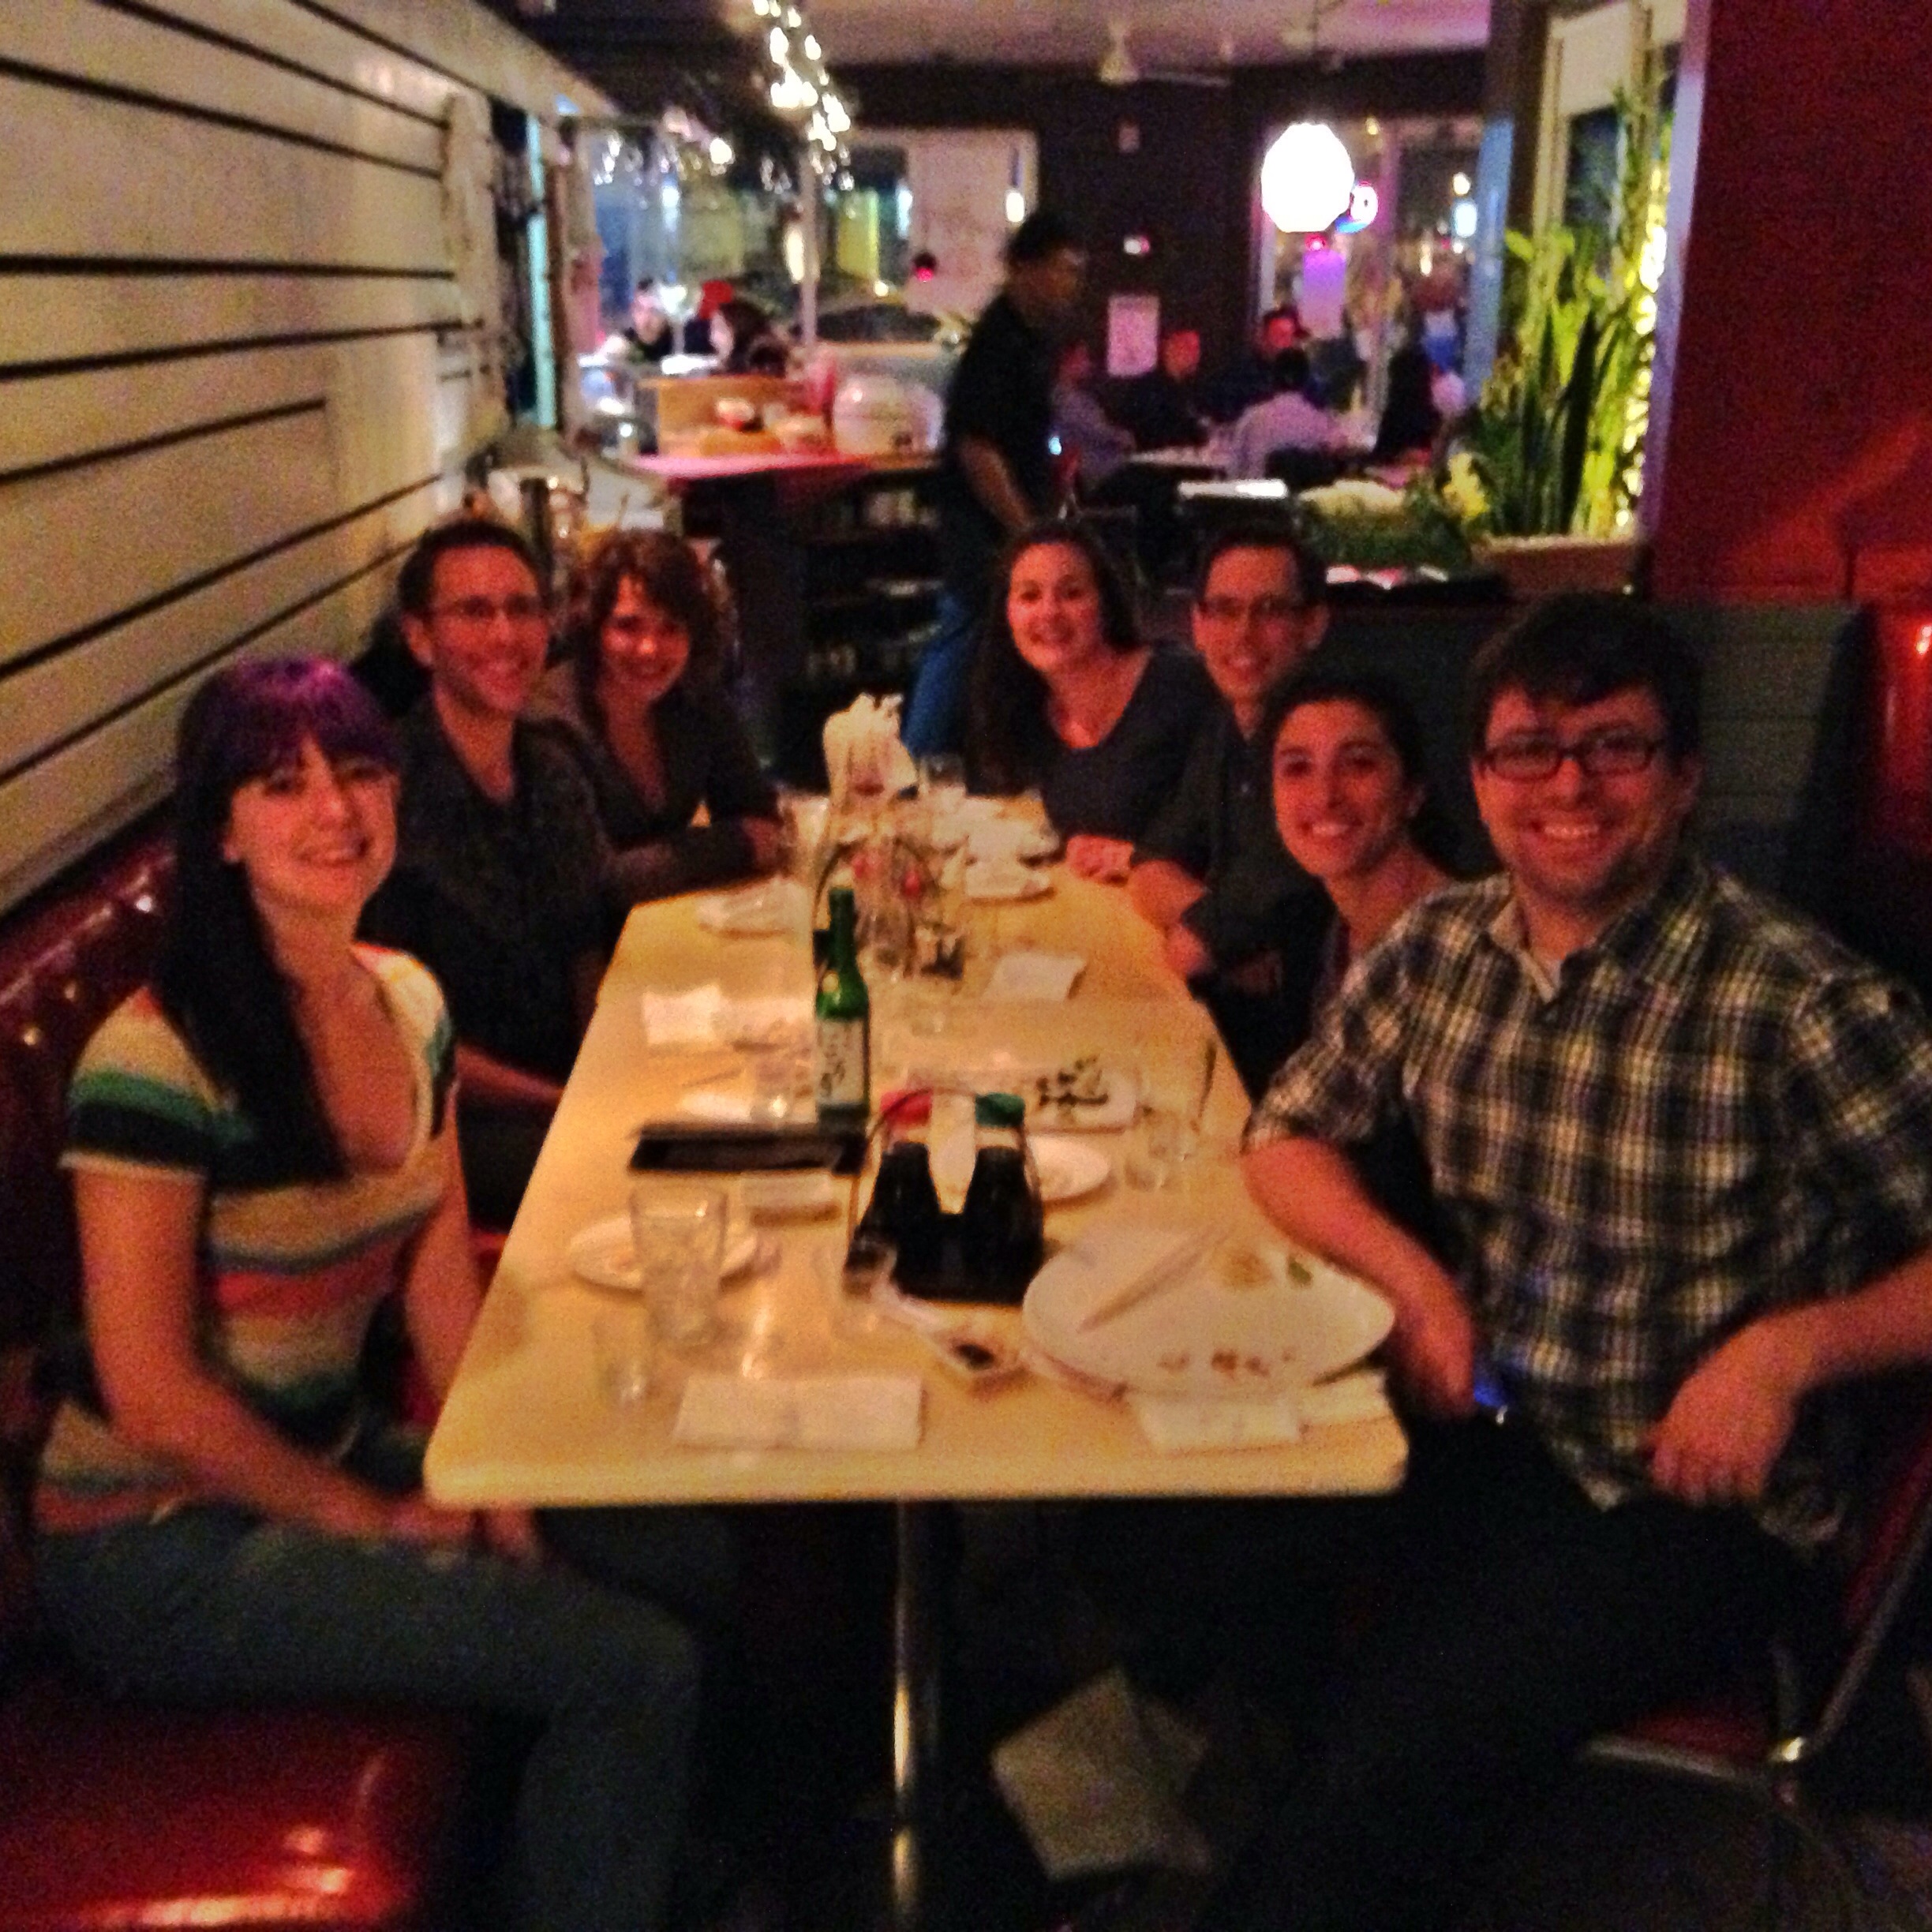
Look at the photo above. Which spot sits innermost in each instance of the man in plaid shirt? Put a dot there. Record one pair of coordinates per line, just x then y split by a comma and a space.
1683, 1142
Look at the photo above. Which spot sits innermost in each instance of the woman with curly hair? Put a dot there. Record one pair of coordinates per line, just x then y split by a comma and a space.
1065, 697
639, 703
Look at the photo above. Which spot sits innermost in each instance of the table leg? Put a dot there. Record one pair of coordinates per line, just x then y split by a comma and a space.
916, 1704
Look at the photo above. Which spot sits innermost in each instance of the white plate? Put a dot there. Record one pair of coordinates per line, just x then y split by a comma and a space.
1201, 1335
1003, 881
1068, 1168
602, 1254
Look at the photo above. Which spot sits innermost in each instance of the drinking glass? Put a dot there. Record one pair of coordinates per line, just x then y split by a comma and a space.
1156, 1142
679, 1243
621, 1345
942, 782
865, 1267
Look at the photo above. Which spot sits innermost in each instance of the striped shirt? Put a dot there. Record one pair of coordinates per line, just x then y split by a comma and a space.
290, 1272
1711, 1112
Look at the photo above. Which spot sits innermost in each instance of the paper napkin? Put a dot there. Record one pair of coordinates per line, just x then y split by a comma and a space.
702, 1017
1031, 975
683, 1018
777, 905
1178, 1423
804, 1412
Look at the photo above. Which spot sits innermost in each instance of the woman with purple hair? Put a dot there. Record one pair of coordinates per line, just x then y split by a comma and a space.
262, 1151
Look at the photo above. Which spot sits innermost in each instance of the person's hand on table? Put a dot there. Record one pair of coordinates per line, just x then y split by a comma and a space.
1106, 859
1730, 1419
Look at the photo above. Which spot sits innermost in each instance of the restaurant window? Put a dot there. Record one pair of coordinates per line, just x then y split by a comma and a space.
1395, 268
682, 206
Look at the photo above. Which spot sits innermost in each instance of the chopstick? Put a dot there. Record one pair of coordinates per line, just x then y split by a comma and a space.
1162, 1272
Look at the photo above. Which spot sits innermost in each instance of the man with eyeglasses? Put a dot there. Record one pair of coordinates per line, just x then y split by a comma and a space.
1210, 872
1683, 1144
499, 856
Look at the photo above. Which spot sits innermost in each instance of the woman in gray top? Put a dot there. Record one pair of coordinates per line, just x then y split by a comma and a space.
638, 704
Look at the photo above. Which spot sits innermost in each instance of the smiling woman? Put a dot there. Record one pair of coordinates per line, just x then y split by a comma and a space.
1066, 698
640, 706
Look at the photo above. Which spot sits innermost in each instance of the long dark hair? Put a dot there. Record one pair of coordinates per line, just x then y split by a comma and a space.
215, 978
1007, 729
670, 573
1430, 831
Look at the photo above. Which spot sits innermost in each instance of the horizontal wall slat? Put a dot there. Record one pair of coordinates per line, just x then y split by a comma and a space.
87, 544
53, 813
62, 418
103, 45
294, 34
55, 318
475, 45
56, 700
185, 191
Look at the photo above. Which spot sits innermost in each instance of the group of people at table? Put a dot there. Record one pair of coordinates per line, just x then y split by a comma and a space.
1641, 1162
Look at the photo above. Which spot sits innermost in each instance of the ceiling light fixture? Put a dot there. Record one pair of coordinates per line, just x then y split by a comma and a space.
1307, 178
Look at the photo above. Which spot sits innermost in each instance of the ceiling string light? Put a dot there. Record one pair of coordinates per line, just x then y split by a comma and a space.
800, 86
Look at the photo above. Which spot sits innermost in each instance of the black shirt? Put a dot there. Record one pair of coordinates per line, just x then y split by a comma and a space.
1114, 789
706, 759
1160, 412
499, 902
1001, 393
1218, 825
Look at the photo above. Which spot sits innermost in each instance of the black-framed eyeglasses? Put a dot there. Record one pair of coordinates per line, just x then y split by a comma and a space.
1234, 610
1615, 751
476, 611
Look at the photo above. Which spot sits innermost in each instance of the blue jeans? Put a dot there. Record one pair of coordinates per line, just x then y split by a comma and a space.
935, 713
213, 1603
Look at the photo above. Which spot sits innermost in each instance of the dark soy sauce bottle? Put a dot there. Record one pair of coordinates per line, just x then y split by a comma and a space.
904, 1207
1002, 1225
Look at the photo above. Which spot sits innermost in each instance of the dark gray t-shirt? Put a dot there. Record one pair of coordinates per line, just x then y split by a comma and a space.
1116, 788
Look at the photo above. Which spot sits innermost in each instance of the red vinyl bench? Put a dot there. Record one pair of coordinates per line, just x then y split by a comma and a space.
115, 1816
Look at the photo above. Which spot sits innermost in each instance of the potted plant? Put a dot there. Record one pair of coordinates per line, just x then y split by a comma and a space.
1551, 464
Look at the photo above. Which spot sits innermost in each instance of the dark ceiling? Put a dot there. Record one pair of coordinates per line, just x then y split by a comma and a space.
647, 54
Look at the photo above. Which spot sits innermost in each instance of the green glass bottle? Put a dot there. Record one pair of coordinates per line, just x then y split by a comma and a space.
842, 1025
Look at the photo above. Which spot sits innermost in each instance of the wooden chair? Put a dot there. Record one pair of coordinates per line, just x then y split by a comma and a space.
1764, 1746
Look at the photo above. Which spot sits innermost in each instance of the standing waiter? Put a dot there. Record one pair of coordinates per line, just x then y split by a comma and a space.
997, 469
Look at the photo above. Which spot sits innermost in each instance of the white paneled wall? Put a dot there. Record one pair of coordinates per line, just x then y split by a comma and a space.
248, 340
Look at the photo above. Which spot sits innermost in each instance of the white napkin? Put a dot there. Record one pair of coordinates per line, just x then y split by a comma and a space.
804, 1412
1030, 975
777, 905
683, 1018
1178, 1423
704, 1017
862, 741
1009, 838
721, 1107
